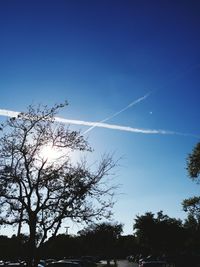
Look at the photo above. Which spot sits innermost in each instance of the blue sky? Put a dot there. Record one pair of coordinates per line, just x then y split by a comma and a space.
101, 56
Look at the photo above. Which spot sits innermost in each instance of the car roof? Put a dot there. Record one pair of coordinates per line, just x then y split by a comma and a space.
64, 263
153, 263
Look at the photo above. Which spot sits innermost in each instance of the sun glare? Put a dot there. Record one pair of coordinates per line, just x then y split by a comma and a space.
50, 153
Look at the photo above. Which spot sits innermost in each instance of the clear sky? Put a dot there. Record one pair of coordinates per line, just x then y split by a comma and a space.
101, 55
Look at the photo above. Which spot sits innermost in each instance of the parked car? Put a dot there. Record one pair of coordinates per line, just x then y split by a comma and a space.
152, 264
91, 258
64, 263
48, 261
130, 258
84, 262
13, 264
42, 263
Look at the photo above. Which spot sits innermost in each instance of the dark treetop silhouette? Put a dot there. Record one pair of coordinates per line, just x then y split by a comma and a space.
40, 193
192, 204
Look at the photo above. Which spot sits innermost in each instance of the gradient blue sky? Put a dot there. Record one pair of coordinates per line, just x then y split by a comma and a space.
100, 56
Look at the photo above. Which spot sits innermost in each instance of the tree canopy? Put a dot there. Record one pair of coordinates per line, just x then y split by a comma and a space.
192, 204
42, 193
159, 234
193, 163
102, 239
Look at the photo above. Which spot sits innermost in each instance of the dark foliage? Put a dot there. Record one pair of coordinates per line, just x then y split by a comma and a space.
159, 235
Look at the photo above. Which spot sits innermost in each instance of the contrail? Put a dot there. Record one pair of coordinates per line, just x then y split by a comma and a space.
10, 113
120, 111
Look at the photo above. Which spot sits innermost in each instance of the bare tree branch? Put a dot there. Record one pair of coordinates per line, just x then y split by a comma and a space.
41, 193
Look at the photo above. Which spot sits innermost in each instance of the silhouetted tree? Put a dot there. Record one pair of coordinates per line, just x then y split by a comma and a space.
127, 246
193, 163
102, 239
62, 246
42, 193
192, 205
12, 248
191, 226
159, 235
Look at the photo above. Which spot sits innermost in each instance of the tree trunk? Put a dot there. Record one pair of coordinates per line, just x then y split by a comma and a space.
20, 222
33, 257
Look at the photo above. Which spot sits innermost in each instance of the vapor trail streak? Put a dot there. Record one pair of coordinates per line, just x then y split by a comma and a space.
120, 111
9, 113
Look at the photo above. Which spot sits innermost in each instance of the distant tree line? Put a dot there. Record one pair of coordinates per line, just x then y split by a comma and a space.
157, 235
100, 240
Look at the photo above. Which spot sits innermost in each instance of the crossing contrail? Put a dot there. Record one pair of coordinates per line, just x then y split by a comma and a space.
120, 111
10, 113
